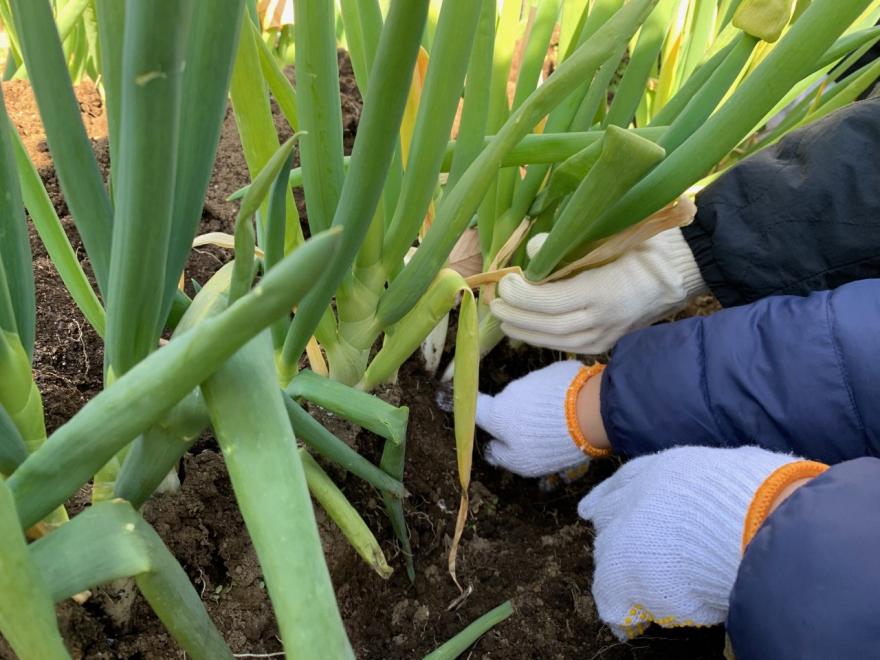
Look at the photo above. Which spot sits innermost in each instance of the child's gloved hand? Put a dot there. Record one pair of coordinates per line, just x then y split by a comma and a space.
670, 530
529, 422
589, 312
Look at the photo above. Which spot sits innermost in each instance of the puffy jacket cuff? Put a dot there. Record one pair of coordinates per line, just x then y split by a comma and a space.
681, 258
807, 586
770, 490
571, 420
700, 243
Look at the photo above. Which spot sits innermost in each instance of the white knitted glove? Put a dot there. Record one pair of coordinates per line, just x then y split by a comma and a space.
528, 423
589, 312
669, 531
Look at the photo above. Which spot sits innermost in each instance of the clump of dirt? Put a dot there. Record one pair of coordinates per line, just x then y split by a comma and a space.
521, 543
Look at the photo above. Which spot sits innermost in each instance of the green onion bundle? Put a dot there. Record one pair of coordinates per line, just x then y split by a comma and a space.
463, 126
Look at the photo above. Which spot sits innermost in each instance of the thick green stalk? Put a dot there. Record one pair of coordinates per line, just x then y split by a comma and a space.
93, 47
27, 614
437, 106
14, 52
624, 159
458, 206
456, 646
18, 391
243, 269
346, 517
560, 119
278, 83
312, 433
541, 148
365, 19
69, 16
392, 463
155, 453
356, 301
600, 12
152, 73
110, 541
276, 220
547, 148
670, 111
71, 150
847, 44
704, 102
574, 16
818, 71
404, 338
535, 51
76, 49
13, 61
726, 10
248, 416
71, 33
363, 25
111, 25
15, 249
7, 311
846, 91
700, 33
499, 190
370, 160
13, 451
475, 112
812, 34
111, 420
566, 177
633, 85
253, 116
593, 103
363, 409
55, 240
206, 78
320, 115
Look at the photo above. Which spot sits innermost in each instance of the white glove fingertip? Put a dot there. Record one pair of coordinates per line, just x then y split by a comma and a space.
483, 418
592, 504
501, 310
535, 243
495, 454
588, 505
514, 289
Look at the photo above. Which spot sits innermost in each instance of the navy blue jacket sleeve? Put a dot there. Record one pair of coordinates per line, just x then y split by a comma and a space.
787, 373
808, 583
800, 216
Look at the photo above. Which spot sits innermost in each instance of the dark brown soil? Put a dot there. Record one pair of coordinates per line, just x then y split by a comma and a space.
521, 543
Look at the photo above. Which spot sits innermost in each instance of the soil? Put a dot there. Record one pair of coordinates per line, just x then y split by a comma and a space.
521, 542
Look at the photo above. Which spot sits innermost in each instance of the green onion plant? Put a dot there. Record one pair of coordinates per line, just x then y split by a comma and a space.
463, 125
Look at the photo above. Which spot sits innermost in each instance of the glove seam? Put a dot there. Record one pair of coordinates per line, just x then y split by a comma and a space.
574, 429
769, 491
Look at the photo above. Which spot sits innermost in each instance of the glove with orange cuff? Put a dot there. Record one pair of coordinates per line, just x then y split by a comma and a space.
534, 421
671, 528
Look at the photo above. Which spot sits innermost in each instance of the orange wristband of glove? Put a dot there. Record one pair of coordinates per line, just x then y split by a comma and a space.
768, 492
574, 428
